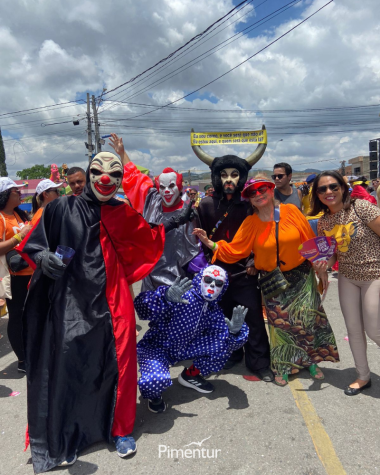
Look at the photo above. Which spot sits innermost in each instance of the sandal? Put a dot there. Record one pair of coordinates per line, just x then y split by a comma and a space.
281, 380
316, 372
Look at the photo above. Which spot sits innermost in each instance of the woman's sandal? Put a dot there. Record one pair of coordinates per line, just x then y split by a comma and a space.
316, 372
281, 380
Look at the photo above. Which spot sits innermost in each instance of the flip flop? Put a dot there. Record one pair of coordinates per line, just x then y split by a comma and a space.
316, 372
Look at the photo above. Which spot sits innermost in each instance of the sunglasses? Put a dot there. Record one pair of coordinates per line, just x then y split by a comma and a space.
263, 189
209, 280
321, 190
280, 176
192, 194
52, 189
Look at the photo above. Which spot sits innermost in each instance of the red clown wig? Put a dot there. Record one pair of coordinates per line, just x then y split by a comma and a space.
169, 170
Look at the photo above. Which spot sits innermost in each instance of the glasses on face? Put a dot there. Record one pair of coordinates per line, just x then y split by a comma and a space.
208, 280
193, 194
16, 190
263, 189
279, 176
321, 190
54, 190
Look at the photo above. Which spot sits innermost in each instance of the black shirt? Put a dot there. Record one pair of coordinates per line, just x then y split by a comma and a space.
211, 209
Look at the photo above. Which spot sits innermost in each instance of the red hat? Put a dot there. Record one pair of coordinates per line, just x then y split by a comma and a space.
253, 184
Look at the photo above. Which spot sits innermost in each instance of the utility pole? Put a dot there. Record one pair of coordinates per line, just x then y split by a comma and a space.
189, 177
98, 145
89, 145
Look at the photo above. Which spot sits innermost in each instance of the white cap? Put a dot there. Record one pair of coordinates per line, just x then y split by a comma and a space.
46, 185
6, 183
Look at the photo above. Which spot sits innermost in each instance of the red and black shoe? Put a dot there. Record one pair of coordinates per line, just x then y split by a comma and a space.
195, 381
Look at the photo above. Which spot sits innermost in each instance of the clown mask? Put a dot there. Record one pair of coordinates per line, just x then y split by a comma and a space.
168, 188
230, 179
213, 281
106, 173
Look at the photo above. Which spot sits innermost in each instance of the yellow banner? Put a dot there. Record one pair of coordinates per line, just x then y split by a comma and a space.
229, 138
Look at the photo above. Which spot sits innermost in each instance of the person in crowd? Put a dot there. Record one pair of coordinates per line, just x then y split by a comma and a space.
300, 333
186, 195
284, 191
13, 229
220, 216
76, 178
306, 202
355, 224
46, 192
360, 190
186, 322
79, 318
375, 186
161, 203
194, 197
209, 190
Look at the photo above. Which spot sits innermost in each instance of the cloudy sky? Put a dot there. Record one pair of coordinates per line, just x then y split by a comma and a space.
316, 88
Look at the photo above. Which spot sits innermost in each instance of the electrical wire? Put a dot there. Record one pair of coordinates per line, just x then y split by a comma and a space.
239, 64
178, 49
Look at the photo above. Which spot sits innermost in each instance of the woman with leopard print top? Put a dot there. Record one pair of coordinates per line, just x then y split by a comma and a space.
355, 224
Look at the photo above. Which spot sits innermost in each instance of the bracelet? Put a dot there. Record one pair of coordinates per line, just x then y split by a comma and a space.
214, 246
18, 238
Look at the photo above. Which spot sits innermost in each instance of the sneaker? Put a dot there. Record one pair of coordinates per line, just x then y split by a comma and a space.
125, 445
21, 367
156, 405
196, 382
69, 461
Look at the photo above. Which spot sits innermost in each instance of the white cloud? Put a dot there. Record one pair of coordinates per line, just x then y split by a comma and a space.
54, 51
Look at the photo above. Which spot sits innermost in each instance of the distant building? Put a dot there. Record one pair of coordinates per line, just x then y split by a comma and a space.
359, 166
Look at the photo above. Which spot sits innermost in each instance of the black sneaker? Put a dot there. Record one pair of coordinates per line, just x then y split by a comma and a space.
195, 382
156, 405
21, 367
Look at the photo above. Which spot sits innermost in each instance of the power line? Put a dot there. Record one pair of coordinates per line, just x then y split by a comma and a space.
238, 65
204, 55
179, 49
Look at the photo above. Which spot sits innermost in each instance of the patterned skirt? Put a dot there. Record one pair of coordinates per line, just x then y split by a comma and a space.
300, 333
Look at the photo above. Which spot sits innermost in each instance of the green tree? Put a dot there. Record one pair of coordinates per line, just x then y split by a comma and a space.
3, 165
35, 172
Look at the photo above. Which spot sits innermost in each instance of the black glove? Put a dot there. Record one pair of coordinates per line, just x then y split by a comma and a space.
50, 264
183, 217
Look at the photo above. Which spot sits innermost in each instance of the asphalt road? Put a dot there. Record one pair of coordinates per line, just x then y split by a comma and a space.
306, 428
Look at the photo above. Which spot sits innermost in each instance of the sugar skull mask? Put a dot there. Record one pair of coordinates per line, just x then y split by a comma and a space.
106, 173
213, 281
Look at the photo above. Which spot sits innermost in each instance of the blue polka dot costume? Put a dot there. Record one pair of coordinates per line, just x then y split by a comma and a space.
179, 332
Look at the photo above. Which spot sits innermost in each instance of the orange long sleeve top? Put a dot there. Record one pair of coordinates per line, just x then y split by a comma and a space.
260, 238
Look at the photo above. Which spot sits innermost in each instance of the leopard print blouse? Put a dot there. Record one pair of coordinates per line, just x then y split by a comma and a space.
358, 246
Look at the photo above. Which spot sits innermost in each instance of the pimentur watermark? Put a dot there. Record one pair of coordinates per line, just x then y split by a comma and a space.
200, 453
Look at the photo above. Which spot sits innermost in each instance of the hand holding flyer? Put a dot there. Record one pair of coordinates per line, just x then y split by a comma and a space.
320, 248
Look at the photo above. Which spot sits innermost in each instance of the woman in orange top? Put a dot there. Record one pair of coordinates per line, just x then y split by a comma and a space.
300, 334
13, 228
46, 192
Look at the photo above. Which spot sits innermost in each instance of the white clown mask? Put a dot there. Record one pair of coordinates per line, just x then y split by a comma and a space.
213, 281
106, 173
168, 188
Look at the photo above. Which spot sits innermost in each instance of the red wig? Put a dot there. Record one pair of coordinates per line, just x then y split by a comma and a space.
169, 170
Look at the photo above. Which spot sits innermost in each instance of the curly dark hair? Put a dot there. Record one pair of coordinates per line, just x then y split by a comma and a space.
316, 203
4, 197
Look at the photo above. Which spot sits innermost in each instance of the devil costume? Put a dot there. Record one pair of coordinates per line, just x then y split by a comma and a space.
179, 331
80, 329
221, 218
180, 245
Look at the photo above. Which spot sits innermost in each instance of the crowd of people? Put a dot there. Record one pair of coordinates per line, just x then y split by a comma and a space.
212, 267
